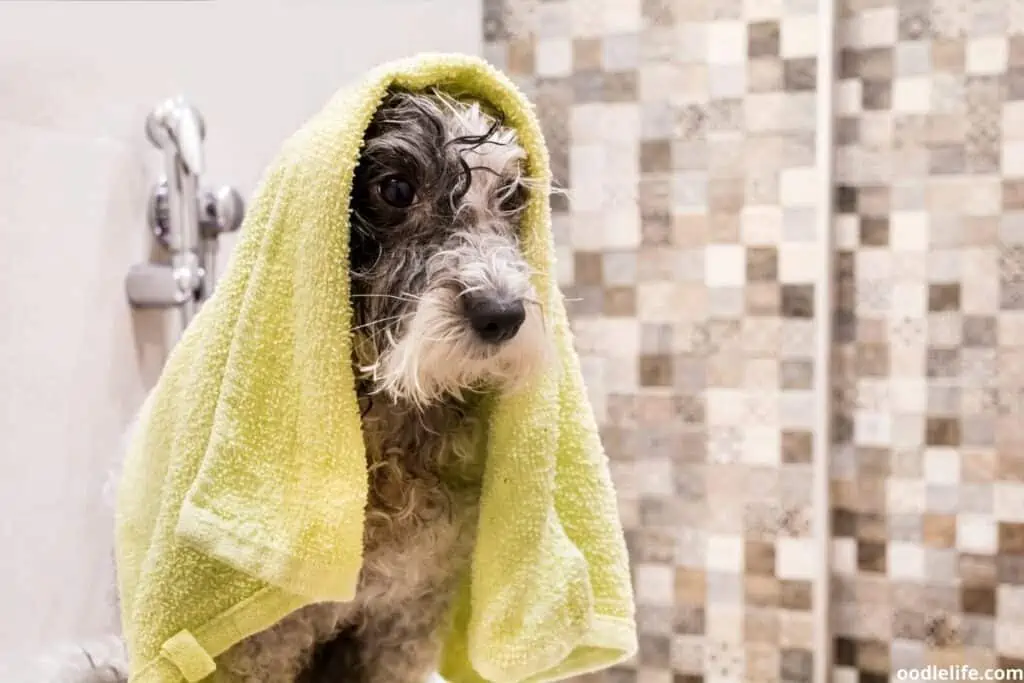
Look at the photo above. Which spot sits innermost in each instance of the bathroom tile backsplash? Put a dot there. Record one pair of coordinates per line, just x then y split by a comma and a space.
690, 271
684, 132
927, 468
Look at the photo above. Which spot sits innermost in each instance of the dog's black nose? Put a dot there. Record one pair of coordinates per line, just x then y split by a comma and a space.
494, 320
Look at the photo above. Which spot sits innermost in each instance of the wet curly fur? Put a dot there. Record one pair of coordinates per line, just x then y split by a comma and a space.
444, 312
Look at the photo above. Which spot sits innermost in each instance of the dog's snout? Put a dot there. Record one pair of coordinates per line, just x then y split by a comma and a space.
494, 320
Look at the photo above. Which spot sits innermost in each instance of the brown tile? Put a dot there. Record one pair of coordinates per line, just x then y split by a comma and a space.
939, 530
944, 297
700, 10
842, 428
947, 159
844, 523
942, 362
847, 130
845, 199
1010, 467
678, 678
875, 65
873, 463
765, 74
977, 570
689, 619
799, 74
949, 55
654, 650
847, 64
874, 232
942, 431
873, 655
844, 497
871, 557
872, 524
1016, 52
658, 12
691, 586
1010, 569
1015, 83
1013, 194
690, 230
620, 301
655, 228
760, 558
761, 591
586, 54
656, 371
689, 409
908, 595
796, 447
978, 466
494, 24
1011, 538
763, 298
725, 195
798, 301
980, 331
874, 201
620, 87
724, 226
914, 21
761, 625
655, 197
795, 595
845, 651
521, 56
655, 156
588, 268
941, 630
937, 131
873, 360
908, 624
978, 600
876, 95
762, 264
763, 39
725, 372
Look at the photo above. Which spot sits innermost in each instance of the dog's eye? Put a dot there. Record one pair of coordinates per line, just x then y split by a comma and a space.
397, 191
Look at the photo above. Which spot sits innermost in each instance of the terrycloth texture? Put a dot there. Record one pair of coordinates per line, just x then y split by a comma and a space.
244, 490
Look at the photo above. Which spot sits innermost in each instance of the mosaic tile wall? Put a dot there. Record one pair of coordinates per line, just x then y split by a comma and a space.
691, 272
928, 499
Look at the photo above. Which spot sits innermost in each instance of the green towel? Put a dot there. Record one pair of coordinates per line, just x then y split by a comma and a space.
244, 490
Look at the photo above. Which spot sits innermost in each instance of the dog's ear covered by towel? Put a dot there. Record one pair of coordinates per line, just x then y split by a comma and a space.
243, 493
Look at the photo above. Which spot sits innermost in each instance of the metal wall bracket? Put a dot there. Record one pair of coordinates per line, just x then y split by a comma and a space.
185, 220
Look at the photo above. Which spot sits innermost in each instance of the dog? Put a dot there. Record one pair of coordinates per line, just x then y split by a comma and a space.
444, 313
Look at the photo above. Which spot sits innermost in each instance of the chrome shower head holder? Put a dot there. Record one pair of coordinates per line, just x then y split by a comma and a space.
184, 219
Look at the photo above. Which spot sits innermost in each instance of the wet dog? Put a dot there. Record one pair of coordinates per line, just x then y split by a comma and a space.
444, 312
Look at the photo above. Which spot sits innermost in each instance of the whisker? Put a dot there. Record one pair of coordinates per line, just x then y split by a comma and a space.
399, 297
382, 321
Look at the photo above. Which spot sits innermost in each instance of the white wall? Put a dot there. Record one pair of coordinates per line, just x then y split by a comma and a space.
76, 82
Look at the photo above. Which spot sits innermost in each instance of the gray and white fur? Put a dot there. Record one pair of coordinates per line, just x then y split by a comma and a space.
444, 311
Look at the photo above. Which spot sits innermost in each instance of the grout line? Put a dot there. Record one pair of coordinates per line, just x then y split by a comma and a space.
824, 308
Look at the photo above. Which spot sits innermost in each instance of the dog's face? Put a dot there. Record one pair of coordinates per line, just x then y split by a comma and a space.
441, 293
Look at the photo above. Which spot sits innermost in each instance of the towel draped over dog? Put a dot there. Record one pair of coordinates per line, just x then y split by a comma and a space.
244, 490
